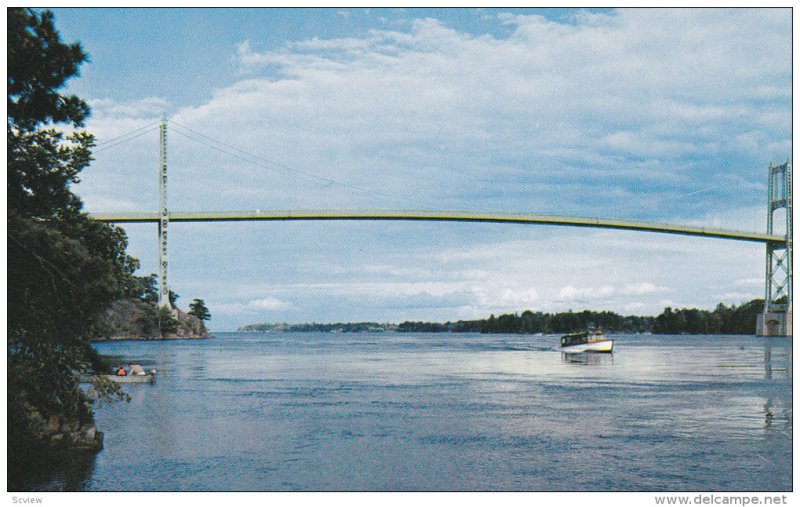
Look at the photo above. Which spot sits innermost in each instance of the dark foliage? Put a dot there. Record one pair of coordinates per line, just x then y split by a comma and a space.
314, 327
145, 288
531, 323
64, 269
198, 308
723, 320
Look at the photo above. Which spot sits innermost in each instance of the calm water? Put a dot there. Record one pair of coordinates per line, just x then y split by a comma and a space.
399, 412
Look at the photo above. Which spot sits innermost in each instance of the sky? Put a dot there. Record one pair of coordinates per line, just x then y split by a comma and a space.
669, 115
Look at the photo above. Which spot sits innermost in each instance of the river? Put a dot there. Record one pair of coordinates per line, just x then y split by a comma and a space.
446, 412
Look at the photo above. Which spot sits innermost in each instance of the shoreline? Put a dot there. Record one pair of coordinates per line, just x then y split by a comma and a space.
143, 339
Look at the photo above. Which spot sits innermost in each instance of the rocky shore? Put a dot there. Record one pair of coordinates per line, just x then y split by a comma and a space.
51, 446
130, 319
74, 433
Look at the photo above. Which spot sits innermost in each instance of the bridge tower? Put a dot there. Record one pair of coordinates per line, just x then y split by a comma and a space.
163, 220
776, 319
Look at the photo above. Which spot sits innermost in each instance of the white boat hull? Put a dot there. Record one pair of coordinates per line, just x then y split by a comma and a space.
598, 346
132, 379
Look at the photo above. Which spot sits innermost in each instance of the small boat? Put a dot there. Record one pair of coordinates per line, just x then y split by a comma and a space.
587, 341
148, 378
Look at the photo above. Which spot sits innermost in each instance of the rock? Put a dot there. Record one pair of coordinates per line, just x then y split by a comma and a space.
90, 434
70, 426
92, 440
53, 424
57, 439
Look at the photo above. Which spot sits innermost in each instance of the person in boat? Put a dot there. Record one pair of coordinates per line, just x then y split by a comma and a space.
121, 371
136, 369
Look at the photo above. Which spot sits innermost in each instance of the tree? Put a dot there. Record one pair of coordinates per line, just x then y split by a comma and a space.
64, 268
146, 288
198, 308
41, 166
166, 322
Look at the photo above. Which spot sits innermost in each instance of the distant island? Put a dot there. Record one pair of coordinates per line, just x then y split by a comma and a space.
314, 327
722, 320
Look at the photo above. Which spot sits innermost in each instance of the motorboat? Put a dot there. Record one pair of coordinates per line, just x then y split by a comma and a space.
147, 378
587, 341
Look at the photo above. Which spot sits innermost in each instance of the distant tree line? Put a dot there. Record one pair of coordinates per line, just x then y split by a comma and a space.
722, 320
529, 322
314, 327
462, 326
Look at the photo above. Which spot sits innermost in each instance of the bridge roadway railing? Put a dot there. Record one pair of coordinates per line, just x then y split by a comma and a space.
446, 216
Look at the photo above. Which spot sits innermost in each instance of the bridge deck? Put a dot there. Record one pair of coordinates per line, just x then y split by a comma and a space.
446, 216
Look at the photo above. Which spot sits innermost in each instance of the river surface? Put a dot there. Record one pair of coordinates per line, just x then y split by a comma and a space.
446, 412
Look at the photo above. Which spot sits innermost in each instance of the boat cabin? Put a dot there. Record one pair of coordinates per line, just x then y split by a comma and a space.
581, 338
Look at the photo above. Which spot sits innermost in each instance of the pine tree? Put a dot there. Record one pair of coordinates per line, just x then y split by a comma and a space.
198, 308
64, 268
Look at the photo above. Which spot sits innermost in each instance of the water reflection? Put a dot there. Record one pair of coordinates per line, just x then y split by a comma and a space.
767, 358
52, 471
775, 399
587, 358
411, 412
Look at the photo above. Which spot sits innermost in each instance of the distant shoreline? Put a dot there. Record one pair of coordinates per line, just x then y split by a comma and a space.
146, 339
691, 321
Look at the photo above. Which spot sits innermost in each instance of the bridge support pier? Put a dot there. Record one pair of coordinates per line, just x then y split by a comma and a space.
774, 324
776, 319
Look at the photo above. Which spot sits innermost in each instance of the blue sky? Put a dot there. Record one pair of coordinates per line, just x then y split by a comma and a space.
666, 115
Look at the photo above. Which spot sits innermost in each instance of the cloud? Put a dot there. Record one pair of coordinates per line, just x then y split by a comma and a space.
750, 282
570, 293
641, 289
736, 297
253, 307
100, 202
268, 304
655, 114
499, 123
108, 109
634, 307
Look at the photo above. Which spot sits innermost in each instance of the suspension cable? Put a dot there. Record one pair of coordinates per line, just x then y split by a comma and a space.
124, 138
279, 168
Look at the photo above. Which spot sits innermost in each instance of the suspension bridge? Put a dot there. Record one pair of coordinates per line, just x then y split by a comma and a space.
775, 320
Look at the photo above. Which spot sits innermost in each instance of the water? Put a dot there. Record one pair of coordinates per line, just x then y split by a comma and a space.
447, 412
